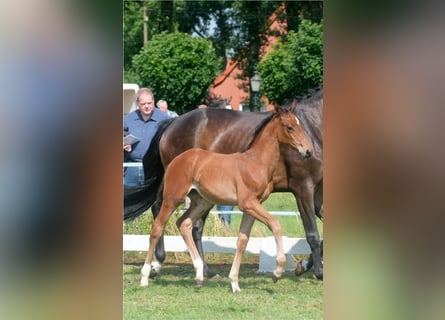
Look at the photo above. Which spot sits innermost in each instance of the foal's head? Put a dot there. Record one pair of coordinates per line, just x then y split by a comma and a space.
292, 133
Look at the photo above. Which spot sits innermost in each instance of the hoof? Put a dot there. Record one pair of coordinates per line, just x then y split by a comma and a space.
210, 274
302, 266
144, 283
299, 269
215, 277
155, 269
153, 273
235, 287
199, 283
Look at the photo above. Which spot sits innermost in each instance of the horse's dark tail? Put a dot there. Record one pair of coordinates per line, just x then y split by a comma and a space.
139, 199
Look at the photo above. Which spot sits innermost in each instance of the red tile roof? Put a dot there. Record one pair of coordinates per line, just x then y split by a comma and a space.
228, 86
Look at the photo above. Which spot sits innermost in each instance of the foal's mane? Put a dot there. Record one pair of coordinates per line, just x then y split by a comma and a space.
259, 128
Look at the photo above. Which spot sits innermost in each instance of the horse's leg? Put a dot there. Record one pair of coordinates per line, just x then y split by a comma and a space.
306, 264
318, 200
157, 230
160, 248
198, 206
241, 244
254, 208
307, 214
197, 231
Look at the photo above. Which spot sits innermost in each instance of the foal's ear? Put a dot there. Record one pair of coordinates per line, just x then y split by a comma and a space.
293, 107
279, 110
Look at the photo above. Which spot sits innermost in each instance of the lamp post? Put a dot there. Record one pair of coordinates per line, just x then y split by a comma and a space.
255, 82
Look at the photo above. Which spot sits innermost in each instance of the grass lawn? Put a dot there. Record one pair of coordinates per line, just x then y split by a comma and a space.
173, 295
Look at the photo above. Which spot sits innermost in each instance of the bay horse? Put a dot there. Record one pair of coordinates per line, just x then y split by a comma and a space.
229, 131
245, 179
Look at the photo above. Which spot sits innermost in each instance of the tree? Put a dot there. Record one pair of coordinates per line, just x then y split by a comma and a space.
160, 18
178, 68
133, 31
296, 11
296, 66
238, 29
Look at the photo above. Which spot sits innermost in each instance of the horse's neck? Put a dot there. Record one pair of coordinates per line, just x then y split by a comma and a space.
266, 148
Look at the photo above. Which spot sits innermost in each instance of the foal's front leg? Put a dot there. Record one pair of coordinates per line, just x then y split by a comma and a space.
255, 209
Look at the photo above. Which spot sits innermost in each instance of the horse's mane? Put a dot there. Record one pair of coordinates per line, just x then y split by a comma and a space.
220, 103
313, 97
153, 149
259, 128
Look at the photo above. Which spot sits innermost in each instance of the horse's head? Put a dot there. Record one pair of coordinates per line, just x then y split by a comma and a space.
292, 133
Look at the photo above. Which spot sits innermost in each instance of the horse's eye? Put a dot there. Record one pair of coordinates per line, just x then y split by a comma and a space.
289, 128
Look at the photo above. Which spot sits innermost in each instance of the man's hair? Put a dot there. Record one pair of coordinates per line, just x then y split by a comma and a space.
161, 102
144, 91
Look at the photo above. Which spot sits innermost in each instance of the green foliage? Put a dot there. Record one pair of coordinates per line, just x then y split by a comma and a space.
160, 18
133, 30
295, 66
178, 68
237, 29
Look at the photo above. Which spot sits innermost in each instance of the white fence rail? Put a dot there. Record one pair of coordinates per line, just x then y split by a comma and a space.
265, 247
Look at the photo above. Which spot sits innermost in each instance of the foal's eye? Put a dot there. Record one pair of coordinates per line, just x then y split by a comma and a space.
289, 128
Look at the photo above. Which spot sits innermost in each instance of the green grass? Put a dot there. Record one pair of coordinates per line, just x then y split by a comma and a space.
173, 295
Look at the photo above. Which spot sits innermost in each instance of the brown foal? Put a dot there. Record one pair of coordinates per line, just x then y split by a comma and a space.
245, 179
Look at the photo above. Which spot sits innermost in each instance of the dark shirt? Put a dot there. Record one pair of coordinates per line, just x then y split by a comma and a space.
145, 130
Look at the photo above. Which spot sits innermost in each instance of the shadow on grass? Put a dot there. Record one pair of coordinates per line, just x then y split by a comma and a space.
182, 275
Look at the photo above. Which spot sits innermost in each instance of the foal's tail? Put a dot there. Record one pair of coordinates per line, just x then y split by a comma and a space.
139, 199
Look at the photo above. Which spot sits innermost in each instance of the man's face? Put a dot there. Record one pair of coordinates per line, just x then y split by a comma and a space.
163, 107
146, 104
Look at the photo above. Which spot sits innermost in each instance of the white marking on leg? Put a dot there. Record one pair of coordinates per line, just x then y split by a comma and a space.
145, 274
199, 268
235, 287
156, 266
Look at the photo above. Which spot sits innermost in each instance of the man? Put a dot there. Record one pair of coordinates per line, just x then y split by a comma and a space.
162, 104
141, 123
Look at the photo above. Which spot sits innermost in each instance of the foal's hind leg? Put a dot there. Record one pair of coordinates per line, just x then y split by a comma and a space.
241, 244
156, 232
198, 207
175, 195
160, 247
